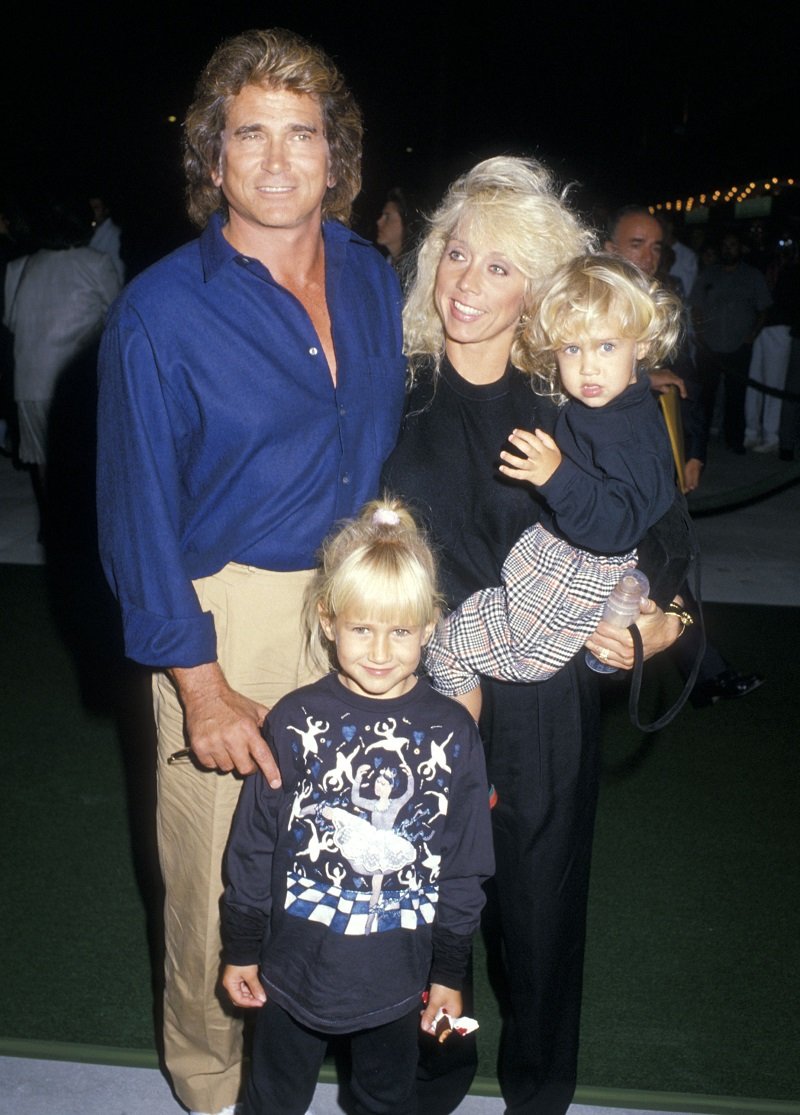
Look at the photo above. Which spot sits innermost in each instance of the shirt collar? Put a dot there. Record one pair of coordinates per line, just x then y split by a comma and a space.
215, 251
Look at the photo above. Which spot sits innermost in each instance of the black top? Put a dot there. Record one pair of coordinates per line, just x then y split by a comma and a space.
452, 432
351, 900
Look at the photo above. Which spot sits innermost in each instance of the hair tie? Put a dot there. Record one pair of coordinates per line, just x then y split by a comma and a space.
385, 517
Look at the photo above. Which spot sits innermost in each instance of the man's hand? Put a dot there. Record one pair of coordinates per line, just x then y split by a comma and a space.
223, 726
440, 998
658, 631
243, 985
663, 379
541, 457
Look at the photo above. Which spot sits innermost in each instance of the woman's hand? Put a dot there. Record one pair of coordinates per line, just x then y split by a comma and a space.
658, 631
541, 457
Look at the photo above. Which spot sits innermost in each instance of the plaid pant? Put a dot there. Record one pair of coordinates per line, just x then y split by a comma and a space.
551, 600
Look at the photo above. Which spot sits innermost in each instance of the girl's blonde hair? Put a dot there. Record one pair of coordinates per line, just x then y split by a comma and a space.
379, 565
600, 295
507, 203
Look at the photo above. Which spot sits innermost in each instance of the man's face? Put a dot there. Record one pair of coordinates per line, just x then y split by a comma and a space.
275, 165
638, 238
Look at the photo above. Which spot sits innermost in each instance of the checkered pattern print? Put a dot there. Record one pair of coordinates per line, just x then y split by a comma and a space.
550, 602
347, 911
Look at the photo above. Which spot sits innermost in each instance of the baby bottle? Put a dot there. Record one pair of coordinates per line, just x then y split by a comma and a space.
621, 610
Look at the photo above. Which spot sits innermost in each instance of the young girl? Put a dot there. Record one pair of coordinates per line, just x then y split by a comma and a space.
357, 884
607, 476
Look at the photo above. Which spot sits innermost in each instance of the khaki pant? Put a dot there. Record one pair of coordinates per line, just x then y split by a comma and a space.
257, 615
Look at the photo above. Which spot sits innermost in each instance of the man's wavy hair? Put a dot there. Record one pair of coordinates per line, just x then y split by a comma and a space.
509, 204
276, 59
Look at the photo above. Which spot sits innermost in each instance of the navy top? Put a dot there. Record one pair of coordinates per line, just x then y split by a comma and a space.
616, 478
221, 436
351, 900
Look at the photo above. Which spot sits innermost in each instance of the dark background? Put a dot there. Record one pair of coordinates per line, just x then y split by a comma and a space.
633, 103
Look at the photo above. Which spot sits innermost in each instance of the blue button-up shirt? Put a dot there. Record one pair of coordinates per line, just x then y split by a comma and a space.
221, 436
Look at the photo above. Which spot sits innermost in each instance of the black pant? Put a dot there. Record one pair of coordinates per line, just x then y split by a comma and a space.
733, 368
287, 1057
543, 758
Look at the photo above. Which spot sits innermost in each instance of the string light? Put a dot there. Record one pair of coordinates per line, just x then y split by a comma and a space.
733, 194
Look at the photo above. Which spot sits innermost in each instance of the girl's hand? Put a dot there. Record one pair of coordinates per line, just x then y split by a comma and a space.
243, 985
541, 457
440, 998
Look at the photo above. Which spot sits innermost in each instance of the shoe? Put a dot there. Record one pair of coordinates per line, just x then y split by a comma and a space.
752, 440
727, 685
770, 446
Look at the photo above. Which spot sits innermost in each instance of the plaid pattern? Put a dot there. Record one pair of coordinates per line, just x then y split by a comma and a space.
347, 911
551, 600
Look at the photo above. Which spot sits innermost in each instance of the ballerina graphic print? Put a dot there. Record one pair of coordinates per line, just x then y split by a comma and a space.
366, 853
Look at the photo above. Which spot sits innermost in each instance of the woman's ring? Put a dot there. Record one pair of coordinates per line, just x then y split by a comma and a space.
603, 654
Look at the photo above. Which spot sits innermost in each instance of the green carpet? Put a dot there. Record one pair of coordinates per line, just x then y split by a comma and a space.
694, 951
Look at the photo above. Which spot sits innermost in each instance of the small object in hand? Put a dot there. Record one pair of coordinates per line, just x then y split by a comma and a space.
603, 654
445, 1026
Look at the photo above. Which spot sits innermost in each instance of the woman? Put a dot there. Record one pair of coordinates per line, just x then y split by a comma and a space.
498, 236
395, 228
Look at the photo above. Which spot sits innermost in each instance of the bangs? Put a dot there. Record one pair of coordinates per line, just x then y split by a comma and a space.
594, 308
388, 586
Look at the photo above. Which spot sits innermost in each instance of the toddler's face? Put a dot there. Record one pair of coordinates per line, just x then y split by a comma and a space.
596, 370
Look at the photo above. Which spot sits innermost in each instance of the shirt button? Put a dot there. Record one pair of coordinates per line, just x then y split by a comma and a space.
313, 351
346, 479
343, 411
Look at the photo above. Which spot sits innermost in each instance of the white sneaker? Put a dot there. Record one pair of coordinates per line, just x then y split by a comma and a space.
770, 446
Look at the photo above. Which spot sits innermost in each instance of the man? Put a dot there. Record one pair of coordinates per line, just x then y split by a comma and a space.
251, 385
729, 304
638, 236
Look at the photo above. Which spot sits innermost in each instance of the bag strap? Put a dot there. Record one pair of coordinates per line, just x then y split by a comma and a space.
638, 667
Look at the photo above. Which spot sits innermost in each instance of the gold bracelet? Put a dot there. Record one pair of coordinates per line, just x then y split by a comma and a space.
675, 609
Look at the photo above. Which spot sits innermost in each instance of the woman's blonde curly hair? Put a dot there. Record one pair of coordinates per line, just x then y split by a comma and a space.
511, 204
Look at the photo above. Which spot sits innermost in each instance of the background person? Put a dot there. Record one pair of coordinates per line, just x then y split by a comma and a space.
729, 303
277, 330
55, 305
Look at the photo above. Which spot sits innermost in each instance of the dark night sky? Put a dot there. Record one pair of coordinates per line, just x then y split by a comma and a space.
633, 108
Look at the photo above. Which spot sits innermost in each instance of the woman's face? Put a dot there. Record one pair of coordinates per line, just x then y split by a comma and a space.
390, 229
479, 295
